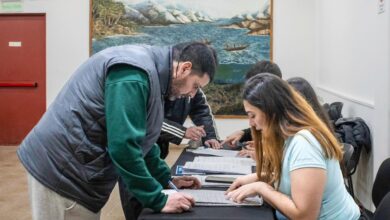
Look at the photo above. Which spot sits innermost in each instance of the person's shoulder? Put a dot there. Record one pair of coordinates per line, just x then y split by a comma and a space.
301, 136
305, 151
305, 135
302, 139
199, 98
200, 93
124, 72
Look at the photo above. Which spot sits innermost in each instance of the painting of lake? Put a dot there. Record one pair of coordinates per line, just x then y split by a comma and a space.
240, 31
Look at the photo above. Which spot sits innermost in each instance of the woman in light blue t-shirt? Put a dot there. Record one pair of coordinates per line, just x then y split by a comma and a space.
297, 156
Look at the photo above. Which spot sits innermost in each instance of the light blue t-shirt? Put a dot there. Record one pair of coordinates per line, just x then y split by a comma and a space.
303, 150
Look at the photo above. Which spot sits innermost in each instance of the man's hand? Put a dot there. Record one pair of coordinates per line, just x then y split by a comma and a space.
186, 182
232, 139
213, 144
178, 202
195, 133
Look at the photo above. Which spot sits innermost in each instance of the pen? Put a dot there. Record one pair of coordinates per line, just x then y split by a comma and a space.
172, 185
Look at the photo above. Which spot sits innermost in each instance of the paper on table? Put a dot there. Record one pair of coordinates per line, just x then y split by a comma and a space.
234, 160
216, 198
211, 167
169, 191
210, 151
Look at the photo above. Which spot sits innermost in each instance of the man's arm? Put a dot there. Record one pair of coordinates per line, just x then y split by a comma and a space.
158, 167
126, 97
172, 132
201, 114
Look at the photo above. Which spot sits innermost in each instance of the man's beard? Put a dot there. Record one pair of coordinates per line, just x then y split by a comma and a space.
176, 85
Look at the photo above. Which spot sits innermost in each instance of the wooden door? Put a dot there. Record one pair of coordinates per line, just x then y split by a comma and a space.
22, 74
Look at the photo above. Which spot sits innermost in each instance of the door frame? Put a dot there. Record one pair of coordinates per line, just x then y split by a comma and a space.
33, 15
20, 14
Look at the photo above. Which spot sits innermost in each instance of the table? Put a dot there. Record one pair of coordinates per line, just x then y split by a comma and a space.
264, 212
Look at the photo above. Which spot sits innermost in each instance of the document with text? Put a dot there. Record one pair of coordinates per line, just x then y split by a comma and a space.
219, 153
235, 160
216, 198
217, 168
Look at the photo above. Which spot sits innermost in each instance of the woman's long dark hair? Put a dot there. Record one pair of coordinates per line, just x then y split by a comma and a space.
286, 113
303, 87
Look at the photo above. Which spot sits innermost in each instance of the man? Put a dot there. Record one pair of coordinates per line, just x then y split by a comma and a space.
263, 66
176, 112
105, 121
173, 131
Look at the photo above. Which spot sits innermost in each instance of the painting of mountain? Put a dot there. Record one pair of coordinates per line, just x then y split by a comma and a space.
240, 31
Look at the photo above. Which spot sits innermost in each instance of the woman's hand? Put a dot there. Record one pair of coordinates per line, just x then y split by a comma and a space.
247, 153
250, 145
233, 139
248, 190
242, 180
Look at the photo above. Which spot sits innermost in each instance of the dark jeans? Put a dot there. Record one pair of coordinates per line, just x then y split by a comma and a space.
131, 206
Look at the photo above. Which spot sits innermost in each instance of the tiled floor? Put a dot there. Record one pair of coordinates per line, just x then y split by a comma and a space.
14, 201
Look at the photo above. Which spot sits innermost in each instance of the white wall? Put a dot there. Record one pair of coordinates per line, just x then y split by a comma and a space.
67, 38
294, 32
354, 68
350, 53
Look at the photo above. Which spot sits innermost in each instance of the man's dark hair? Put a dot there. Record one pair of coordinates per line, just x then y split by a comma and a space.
264, 66
202, 56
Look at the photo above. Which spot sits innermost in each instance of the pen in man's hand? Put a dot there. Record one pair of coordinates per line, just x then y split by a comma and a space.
173, 186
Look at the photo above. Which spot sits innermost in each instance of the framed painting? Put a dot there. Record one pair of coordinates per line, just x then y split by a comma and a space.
240, 31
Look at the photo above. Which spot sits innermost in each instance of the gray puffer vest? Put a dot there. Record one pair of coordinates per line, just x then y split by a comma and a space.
67, 150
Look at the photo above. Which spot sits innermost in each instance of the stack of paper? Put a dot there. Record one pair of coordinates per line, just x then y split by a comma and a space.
219, 153
217, 168
216, 198
235, 160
